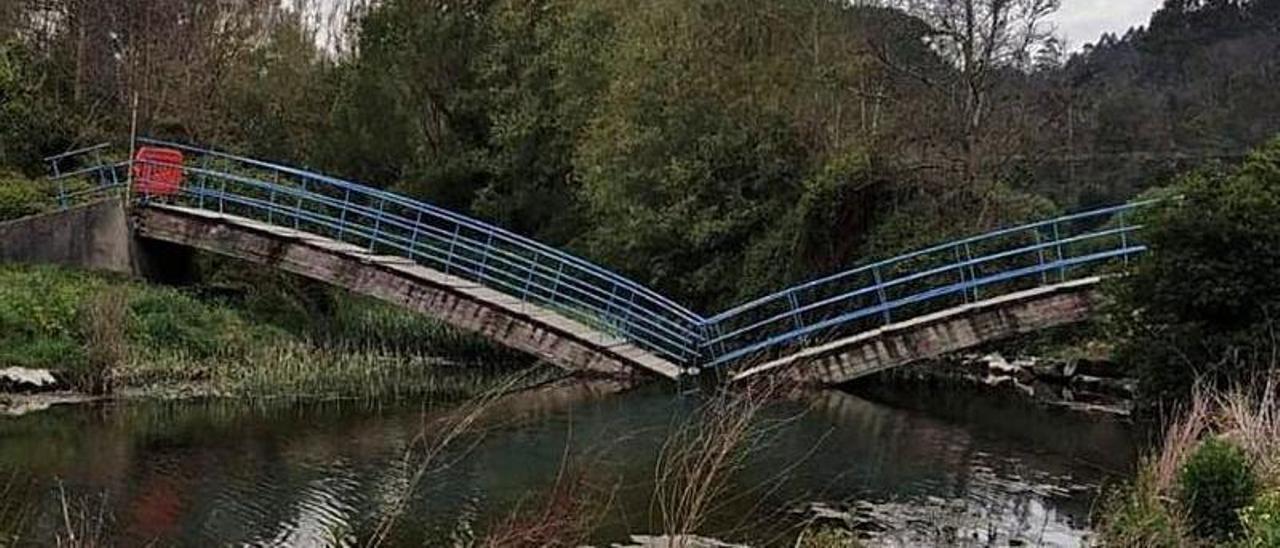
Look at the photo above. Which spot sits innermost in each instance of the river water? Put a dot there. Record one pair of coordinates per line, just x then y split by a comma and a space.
929, 464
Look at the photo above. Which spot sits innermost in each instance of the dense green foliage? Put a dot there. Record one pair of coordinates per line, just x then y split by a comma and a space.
20, 196
714, 149
1204, 302
1215, 484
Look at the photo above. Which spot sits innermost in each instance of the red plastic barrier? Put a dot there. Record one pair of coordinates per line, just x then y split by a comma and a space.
157, 171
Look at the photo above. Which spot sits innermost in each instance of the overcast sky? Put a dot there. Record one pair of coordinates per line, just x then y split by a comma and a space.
1083, 21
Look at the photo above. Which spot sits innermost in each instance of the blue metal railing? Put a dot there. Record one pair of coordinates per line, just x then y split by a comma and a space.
84, 173
922, 282
390, 224
863, 298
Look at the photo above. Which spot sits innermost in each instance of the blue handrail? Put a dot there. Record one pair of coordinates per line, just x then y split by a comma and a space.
868, 296
467, 248
849, 302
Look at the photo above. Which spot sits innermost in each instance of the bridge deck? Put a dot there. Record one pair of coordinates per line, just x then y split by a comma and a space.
522, 325
936, 334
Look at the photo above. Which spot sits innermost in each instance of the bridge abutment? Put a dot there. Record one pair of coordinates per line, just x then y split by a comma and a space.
95, 236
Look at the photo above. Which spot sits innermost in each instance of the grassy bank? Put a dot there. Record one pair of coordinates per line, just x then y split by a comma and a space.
106, 332
1214, 481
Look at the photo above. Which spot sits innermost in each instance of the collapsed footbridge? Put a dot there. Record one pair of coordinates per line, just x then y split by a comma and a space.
582, 316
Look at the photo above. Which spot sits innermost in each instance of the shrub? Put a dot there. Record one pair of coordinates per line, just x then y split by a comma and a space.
39, 315
1200, 303
103, 323
1262, 521
20, 197
1214, 484
1135, 515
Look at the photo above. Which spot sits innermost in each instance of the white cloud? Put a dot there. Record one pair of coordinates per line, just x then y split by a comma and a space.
1083, 21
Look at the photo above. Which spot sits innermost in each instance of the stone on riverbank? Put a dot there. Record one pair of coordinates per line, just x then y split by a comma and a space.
678, 541
29, 381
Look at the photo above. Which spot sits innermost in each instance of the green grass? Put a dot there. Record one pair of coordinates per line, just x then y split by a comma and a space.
178, 341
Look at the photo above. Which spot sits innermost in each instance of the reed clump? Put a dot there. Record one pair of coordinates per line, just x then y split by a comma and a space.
1211, 481
15, 516
698, 460
104, 320
83, 522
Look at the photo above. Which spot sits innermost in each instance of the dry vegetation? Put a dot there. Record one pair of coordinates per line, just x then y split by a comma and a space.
1159, 507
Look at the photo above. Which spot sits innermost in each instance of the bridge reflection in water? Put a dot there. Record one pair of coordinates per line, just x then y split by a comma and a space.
582, 316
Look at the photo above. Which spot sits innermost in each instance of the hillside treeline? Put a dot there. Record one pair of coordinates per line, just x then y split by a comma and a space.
712, 148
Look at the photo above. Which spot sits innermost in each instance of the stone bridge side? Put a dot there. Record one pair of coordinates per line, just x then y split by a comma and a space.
934, 335
463, 304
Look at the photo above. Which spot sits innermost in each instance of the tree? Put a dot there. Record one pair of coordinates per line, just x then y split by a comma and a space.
1205, 301
979, 39
407, 113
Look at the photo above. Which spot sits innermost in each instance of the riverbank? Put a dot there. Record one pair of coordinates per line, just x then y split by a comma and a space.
166, 342
1214, 480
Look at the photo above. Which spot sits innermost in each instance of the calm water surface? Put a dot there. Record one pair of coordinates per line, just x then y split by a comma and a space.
219, 472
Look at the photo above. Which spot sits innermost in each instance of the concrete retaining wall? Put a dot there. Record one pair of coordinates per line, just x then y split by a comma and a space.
93, 236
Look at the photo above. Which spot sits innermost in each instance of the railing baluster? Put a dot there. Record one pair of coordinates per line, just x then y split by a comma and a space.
1057, 239
608, 305
964, 293
719, 331
297, 207
115, 178
973, 271
342, 215
413, 239
271, 199
484, 258
884, 310
1044, 274
1124, 235
62, 194
555, 285
377, 225
624, 325
448, 258
203, 181
795, 309
524, 292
